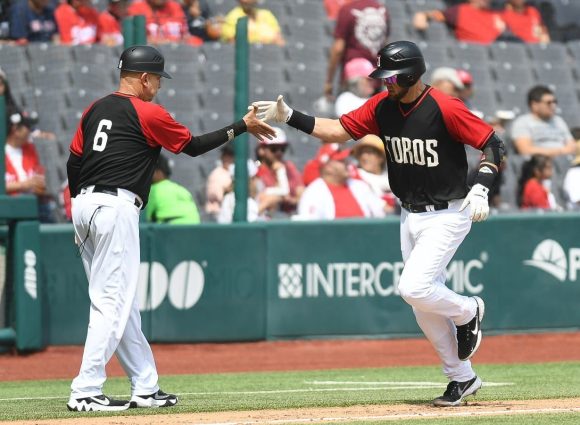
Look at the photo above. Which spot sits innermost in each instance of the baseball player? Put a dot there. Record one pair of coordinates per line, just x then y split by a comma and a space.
424, 132
111, 163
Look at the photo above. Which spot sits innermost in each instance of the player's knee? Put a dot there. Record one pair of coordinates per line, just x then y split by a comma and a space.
410, 291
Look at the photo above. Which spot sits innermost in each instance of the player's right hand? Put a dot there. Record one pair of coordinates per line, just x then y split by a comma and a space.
258, 127
277, 111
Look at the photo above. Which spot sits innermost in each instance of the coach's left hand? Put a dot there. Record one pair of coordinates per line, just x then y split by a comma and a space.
257, 127
477, 200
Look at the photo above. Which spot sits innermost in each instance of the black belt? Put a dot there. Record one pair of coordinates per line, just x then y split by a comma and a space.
113, 191
424, 208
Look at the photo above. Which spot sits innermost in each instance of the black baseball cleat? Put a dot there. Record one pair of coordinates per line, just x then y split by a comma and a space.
97, 403
469, 335
158, 399
457, 391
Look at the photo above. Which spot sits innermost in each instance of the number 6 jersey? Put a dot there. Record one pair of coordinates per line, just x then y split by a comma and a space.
119, 139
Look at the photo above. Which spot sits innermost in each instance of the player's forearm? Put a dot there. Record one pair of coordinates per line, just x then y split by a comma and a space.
493, 153
330, 131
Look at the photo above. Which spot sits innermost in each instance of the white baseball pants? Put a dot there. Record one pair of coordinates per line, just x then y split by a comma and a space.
109, 227
428, 242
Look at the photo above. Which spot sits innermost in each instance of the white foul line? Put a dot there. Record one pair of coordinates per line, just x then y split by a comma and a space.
375, 386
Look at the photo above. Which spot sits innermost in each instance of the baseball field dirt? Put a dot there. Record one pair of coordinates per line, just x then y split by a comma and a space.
63, 363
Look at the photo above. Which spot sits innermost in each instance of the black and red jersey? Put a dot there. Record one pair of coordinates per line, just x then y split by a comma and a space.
424, 145
119, 139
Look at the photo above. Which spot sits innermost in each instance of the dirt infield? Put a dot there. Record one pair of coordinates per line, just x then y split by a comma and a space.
64, 362
396, 412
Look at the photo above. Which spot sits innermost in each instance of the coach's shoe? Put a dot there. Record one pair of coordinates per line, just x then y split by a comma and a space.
469, 335
457, 391
158, 399
97, 403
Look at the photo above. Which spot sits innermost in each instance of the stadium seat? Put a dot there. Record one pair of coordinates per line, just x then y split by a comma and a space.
553, 53
13, 59
509, 53
468, 54
512, 97
50, 55
554, 76
516, 74
95, 54
311, 11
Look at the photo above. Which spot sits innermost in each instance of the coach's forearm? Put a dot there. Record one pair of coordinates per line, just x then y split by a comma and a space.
206, 142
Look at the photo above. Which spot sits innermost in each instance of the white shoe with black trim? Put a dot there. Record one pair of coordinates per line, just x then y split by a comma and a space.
158, 399
457, 391
97, 403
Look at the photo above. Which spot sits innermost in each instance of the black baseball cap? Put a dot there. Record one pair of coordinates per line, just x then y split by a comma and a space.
22, 118
143, 59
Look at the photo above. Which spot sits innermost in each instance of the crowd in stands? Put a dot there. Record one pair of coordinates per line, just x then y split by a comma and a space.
542, 170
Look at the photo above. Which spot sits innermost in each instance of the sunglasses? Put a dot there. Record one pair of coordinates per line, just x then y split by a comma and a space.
277, 148
390, 80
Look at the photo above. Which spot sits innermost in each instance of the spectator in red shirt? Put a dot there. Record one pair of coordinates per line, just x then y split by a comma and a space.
472, 22
312, 167
24, 173
362, 28
77, 22
164, 19
336, 195
534, 183
110, 28
279, 177
525, 22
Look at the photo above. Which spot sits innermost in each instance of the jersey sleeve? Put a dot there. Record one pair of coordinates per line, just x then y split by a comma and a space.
160, 129
461, 124
362, 121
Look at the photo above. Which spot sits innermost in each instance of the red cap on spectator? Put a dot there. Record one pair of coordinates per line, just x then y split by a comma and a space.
326, 152
465, 77
331, 151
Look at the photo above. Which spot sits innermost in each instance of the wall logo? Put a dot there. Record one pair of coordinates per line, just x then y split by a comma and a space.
356, 280
183, 287
30, 274
550, 257
290, 280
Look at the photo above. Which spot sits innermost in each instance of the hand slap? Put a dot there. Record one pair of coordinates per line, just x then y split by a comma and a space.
257, 127
277, 111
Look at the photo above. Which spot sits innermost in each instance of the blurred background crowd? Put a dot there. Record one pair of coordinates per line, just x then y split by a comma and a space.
515, 63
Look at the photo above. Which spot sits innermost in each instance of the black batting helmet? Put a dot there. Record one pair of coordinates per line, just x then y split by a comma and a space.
400, 58
143, 59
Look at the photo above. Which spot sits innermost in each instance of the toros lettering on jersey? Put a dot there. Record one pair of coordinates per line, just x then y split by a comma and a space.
403, 150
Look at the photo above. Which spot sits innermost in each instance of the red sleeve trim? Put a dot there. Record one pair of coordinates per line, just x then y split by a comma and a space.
78, 140
460, 122
159, 128
362, 121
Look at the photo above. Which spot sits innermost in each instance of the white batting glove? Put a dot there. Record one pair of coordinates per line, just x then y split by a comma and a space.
277, 111
477, 200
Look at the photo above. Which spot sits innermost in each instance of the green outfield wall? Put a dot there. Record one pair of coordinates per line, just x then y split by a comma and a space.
311, 280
